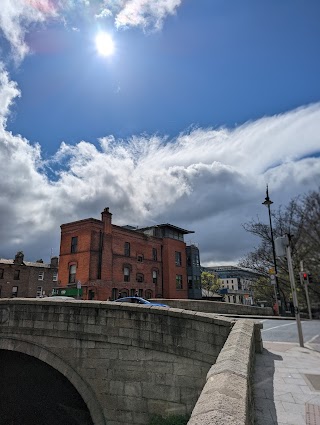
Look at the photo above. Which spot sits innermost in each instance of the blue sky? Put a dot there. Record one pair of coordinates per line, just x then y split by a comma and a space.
201, 104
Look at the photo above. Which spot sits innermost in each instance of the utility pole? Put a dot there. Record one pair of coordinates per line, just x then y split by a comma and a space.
282, 249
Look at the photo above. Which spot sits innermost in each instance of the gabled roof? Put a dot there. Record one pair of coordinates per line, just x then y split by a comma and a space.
25, 263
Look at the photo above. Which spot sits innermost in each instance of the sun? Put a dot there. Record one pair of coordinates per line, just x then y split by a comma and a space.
104, 44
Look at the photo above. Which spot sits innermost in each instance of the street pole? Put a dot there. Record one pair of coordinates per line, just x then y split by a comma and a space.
294, 292
267, 202
283, 249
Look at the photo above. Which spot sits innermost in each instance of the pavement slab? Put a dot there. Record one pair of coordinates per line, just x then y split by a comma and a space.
286, 382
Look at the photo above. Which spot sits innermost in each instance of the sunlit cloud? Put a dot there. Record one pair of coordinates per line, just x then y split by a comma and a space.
208, 180
17, 16
146, 13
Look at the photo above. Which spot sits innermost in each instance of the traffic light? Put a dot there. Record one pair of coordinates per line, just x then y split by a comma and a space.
310, 278
304, 278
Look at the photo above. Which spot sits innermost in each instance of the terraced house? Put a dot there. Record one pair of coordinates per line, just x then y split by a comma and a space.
20, 278
108, 261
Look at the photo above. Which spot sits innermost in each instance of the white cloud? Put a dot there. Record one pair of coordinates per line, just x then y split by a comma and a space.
207, 180
141, 13
15, 18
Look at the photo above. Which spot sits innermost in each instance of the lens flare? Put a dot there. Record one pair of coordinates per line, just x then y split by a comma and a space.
104, 44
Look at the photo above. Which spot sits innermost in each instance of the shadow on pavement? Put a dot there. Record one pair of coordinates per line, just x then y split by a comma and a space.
263, 389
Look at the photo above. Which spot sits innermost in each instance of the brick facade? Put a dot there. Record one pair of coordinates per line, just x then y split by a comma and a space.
24, 279
111, 260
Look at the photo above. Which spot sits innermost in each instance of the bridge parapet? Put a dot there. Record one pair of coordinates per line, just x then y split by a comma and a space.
135, 360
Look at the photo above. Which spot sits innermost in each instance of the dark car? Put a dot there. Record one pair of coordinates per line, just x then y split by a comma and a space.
138, 300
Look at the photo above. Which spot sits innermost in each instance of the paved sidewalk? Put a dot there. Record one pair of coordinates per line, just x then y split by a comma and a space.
287, 385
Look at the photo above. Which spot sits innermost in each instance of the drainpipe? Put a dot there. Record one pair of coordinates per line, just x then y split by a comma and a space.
162, 270
100, 255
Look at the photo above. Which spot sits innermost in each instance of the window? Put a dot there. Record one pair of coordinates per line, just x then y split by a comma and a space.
132, 292
141, 293
1, 273
179, 281
72, 273
55, 276
16, 275
155, 276
114, 293
14, 293
126, 274
39, 292
127, 249
148, 294
196, 260
154, 254
178, 258
190, 282
140, 258
140, 277
74, 244
40, 275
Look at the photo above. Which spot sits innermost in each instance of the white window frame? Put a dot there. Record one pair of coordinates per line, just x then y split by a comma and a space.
41, 275
55, 277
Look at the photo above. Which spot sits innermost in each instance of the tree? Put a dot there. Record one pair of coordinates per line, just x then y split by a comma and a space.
300, 219
209, 282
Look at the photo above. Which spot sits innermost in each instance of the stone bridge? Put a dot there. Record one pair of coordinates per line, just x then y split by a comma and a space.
126, 362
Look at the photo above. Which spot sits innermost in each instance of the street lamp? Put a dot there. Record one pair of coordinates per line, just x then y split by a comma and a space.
267, 202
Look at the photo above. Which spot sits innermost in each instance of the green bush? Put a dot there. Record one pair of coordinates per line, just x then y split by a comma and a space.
170, 420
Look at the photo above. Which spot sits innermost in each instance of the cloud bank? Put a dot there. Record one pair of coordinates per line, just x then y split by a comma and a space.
207, 180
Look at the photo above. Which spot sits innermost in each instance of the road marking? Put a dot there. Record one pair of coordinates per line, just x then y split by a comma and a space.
312, 339
280, 326
261, 321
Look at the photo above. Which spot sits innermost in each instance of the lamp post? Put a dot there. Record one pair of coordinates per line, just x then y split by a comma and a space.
267, 202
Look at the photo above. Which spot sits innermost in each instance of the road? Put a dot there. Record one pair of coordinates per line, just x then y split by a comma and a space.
286, 331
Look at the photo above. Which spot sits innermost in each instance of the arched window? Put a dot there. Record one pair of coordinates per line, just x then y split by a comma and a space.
140, 277
154, 276
123, 293
148, 293
72, 273
126, 274
114, 294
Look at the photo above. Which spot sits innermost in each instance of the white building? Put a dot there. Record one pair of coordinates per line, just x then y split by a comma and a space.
235, 283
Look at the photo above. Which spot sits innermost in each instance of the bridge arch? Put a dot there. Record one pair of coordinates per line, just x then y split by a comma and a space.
43, 354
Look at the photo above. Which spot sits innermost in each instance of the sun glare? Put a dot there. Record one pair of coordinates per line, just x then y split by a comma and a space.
104, 44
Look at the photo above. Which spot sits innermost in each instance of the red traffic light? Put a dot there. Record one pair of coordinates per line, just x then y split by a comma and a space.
305, 276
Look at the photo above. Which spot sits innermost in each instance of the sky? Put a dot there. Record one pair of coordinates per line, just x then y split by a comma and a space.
182, 115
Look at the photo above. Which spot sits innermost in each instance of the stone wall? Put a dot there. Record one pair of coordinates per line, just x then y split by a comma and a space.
127, 361
226, 398
217, 307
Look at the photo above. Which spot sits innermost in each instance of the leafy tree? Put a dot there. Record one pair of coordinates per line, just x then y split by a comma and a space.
210, 282
300, 219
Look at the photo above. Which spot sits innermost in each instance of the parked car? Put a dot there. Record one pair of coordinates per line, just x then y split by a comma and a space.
139, 300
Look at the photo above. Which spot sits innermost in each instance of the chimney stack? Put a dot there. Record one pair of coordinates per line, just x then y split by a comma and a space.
106, 217
19, 258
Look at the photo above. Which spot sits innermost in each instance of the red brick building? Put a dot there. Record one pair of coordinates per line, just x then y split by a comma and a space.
109, 260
